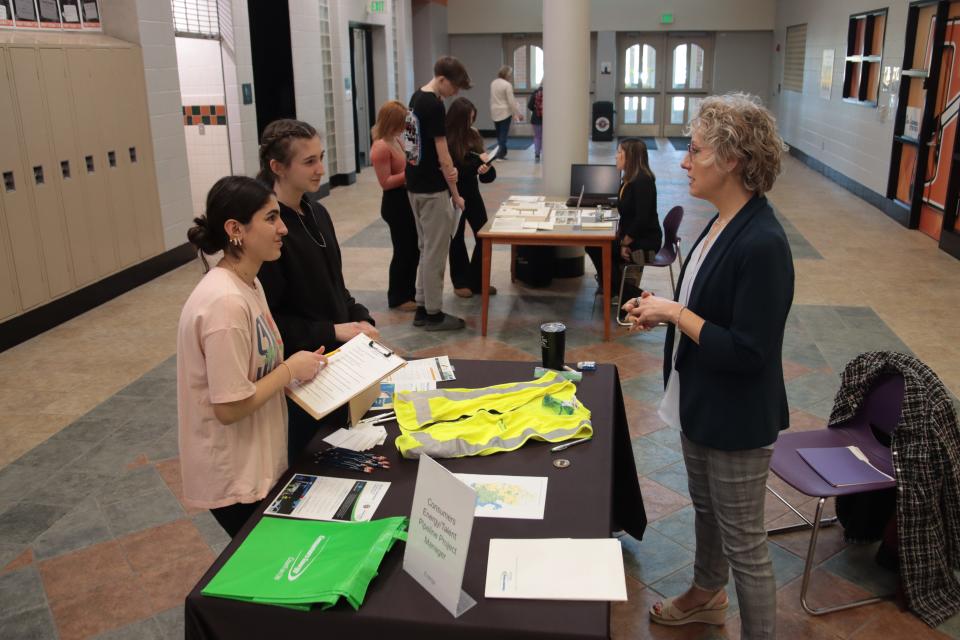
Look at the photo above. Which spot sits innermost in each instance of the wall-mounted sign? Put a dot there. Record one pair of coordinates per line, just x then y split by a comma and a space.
70, 14
50, 14
826, 74
91, 14
666, 18
6, 14
25, 14
378, 6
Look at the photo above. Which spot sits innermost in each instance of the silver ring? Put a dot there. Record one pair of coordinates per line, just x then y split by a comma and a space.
636, 301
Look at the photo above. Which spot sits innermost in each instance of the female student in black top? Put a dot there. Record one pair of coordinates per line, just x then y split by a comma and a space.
638, 235
305, 287
466, 149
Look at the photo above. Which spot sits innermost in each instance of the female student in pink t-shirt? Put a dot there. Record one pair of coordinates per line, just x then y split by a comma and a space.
230, 366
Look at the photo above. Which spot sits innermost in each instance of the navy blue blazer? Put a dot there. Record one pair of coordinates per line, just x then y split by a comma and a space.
732, 395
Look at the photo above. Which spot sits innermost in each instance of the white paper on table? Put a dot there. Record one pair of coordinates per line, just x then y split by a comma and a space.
596, 225
509, 225
525, 198
538, 226
424, 370
556, 569
325, 498
523, 497
358, 438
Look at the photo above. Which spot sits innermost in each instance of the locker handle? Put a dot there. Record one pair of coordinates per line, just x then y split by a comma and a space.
38, 174
8, 183
112, 159
90, 166
65, 169
133, 154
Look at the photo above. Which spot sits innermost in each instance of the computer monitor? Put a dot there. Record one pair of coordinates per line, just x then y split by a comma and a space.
596, 179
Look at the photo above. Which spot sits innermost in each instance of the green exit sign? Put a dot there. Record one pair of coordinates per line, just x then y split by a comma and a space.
378, 6
666, 18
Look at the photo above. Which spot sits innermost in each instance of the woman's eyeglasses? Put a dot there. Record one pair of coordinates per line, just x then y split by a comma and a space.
693, 150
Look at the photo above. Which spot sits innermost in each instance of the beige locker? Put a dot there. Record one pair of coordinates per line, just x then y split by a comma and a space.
108, 80
23, 235
67, 167
43, 176
143, 177
9, 297
91, 171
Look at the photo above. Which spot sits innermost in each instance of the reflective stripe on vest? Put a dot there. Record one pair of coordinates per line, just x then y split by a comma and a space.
450, 423
415, 409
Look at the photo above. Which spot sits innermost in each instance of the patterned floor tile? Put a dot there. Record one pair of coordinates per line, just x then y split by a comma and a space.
36, 624
659, 501
83, 526
653, 558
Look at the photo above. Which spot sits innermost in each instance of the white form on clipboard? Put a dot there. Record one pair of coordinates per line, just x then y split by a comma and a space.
350, 371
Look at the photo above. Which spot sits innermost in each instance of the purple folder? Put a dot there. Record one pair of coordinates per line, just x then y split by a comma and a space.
840, 467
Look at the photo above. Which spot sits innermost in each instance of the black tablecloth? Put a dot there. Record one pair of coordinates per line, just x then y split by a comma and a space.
596, 494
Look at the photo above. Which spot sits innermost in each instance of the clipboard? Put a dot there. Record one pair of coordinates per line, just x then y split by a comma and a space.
352, 377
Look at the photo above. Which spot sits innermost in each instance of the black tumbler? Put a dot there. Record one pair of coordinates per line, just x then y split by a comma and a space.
552, 338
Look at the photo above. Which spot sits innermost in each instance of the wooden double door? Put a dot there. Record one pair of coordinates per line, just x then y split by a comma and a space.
923, 176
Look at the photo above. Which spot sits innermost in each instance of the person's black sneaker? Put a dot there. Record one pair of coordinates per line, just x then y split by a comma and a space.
444, 322
420, 317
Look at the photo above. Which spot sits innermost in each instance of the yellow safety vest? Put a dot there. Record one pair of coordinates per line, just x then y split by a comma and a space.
452, 423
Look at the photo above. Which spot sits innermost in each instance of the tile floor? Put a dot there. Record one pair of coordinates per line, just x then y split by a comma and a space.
89, 476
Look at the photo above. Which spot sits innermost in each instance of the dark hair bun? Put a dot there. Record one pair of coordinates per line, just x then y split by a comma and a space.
199, 236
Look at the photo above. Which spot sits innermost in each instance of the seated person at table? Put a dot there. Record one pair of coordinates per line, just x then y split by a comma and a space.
230, 366
305, 287
638, 235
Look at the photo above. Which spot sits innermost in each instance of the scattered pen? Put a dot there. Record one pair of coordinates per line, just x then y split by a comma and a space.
390, 415
567, 445
353, 460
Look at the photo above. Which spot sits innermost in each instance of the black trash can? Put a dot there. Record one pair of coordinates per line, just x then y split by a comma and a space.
536, 265
602, 129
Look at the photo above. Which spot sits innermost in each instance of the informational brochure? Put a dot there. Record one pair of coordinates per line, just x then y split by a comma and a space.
417, 375
556, 569
523, 497
325, 498
509, 225
436, 369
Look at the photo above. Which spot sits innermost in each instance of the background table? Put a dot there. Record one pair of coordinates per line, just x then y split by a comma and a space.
597, 494
602, 238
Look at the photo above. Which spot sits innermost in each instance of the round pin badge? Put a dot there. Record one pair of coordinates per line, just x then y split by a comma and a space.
561, 463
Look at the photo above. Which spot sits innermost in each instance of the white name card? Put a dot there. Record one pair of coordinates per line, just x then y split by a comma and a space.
439, 535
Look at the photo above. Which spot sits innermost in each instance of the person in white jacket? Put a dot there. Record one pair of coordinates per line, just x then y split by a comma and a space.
503, 107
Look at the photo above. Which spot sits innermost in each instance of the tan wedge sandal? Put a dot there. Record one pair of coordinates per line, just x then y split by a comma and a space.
714, 611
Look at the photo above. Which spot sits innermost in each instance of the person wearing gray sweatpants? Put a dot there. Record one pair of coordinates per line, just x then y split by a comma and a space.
436, 223
432, 189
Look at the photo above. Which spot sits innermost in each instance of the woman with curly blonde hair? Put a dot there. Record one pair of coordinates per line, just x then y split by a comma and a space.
722, 361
